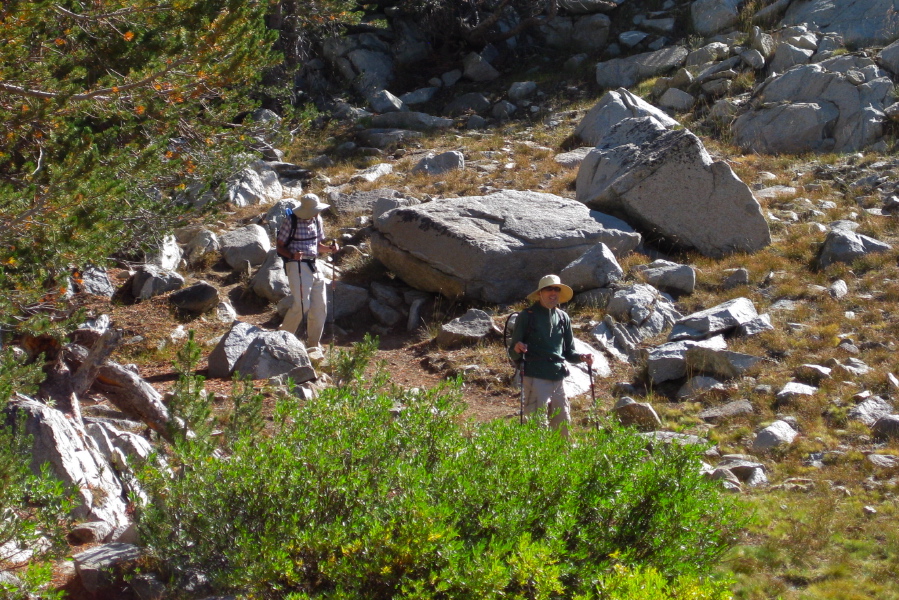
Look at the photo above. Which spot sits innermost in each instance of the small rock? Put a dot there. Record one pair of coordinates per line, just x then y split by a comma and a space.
736, 277
471, 327
777, 434
197, 298
886, 427
639, 414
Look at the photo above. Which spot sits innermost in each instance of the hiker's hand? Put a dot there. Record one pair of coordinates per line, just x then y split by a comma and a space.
587, 358
521, 347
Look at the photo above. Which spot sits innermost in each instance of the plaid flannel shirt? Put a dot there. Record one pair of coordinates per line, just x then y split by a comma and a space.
306, 238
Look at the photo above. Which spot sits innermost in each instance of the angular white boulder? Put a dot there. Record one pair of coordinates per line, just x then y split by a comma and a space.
596, 268
273, 353
626, 72
721, 318
836, 105
774, 435
613, 107
666, 184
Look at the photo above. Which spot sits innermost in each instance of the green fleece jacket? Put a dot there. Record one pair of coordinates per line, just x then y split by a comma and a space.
549, 339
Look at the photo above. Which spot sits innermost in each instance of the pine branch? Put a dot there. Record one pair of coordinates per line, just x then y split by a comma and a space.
94, 95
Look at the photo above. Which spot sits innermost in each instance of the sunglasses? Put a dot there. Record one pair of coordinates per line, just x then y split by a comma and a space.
551, 288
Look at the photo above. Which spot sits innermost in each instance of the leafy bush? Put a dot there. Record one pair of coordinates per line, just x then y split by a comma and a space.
373, 491
33, 515
624, 583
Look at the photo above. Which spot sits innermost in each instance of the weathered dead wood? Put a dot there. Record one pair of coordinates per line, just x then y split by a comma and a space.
87, 372
62, 387
128, 392
125, 389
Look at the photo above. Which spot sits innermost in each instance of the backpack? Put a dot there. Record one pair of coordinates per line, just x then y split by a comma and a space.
288, 212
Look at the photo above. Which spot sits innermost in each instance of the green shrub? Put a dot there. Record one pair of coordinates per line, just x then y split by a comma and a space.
34, 512
623, 583
350, 497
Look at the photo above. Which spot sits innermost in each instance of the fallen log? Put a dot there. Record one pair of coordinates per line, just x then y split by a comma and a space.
128, 392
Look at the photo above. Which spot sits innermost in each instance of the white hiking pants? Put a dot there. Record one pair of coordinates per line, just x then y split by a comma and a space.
309, 300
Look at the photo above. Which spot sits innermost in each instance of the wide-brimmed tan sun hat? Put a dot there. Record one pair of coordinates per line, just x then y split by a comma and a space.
552, 280
310, 206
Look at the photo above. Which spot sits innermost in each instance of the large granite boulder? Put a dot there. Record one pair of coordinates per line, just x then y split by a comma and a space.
201, 244
416, 121
386, 137
668, 276
669, 360
860, 22
711, 16
723, 318
438, 164
833, 106
627, 72
358, 202
577, 34
491, 248
778, 433
633, 314
257, 184
638, 414
74, 459
613, 107
888, 58
666, 184
886, 428
597, 268
95, 281
101, 569
197, 299
150, 281
472, 102
364, 60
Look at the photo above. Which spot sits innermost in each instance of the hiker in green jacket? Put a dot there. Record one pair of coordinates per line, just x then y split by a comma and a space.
542, 339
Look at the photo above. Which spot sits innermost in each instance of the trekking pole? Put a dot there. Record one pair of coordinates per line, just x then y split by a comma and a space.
593, 393
521, 395
331, 313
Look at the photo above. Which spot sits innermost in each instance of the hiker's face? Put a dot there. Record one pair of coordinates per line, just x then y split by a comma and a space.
549, 296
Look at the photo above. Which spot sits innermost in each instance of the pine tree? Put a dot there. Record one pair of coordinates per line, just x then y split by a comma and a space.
108, 110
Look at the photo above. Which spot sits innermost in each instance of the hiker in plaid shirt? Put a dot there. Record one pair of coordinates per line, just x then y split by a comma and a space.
300, 241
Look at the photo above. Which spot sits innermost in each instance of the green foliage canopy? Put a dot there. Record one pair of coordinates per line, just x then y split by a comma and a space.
377, 492
108, 109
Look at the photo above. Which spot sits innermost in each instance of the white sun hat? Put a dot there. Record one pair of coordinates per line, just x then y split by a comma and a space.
310, 207
552, 280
